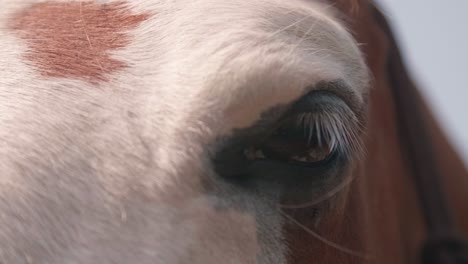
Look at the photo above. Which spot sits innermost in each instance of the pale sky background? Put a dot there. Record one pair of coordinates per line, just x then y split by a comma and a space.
434, 37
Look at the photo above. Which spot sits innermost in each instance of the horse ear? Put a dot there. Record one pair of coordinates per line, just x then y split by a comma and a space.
439, 175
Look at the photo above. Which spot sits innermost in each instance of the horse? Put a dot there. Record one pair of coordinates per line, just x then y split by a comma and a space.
210, 131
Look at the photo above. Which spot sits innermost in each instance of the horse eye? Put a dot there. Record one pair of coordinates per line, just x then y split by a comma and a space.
297, 155
297, 140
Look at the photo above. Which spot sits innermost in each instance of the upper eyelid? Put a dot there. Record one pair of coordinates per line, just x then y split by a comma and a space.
340, 89
272, 118
336, 88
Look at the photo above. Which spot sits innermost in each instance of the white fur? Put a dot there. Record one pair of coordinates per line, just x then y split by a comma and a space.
114, 173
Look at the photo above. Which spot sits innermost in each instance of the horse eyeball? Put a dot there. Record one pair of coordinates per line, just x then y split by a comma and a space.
292, 143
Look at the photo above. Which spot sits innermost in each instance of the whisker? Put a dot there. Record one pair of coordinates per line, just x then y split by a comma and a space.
303, 38
287, 27
321, 199
322, 239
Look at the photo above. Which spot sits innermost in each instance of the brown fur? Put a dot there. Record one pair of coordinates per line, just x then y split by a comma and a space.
74, 39
382, 214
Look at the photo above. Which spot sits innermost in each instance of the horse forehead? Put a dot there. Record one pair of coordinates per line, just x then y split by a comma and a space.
183, 89
189, 52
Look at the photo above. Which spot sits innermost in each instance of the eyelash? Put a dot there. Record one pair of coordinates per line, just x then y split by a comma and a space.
339, 129
324, 121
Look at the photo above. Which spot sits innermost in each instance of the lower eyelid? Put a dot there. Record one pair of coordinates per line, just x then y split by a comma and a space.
295, 183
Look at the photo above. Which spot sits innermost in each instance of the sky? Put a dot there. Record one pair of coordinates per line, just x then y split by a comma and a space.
434, 37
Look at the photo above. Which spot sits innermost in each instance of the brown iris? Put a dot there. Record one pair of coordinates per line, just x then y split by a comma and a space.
292, 142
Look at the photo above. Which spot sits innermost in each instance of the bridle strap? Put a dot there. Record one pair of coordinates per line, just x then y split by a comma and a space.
444, 243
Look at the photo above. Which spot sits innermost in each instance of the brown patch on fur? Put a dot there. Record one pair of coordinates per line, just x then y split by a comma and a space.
74, 39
